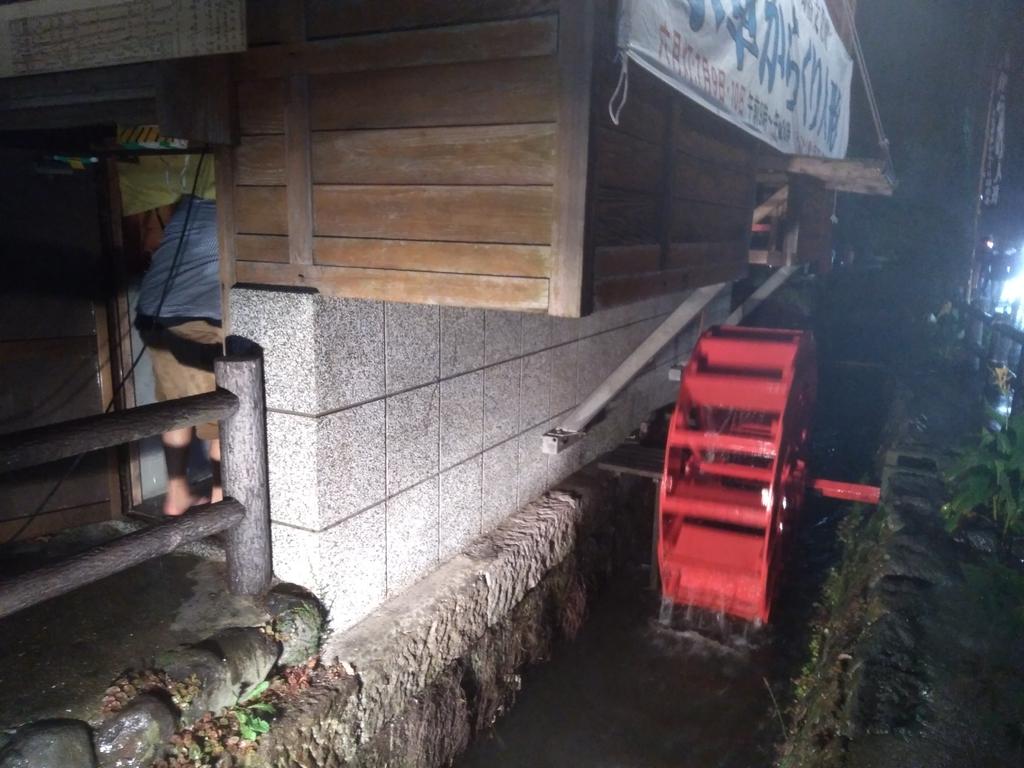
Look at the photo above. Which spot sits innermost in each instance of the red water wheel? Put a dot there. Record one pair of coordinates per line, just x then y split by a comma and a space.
735, 468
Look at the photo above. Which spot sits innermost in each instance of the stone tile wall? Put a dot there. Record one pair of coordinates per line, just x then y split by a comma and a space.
397, 433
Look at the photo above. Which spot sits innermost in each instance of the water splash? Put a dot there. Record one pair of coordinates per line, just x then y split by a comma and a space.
666, 611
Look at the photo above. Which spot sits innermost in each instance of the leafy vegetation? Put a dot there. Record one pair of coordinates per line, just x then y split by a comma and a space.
987, 480
230, 738
252, 713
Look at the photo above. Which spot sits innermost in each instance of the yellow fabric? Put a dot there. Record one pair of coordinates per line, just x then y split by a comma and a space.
158, 180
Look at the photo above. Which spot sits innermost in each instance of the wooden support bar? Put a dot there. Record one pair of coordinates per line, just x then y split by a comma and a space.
244, 472
40, 445
572, 426
108, 559
772, 205
758, 297
297, 172
576, 32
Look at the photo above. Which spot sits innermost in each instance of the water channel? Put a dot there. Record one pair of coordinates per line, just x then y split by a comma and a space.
638, 691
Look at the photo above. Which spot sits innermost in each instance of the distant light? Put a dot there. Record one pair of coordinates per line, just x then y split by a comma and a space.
990, 243
1013, 291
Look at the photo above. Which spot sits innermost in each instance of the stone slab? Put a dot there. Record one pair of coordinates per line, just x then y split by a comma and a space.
462, 340
412, 345
412, 427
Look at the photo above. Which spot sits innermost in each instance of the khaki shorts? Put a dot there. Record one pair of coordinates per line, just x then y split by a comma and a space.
183, 358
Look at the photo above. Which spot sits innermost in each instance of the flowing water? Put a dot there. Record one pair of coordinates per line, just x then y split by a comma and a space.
645, 685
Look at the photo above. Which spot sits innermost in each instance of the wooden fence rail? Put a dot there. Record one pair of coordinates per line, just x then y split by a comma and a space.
992, 342
32, 447
243, 516
107, 559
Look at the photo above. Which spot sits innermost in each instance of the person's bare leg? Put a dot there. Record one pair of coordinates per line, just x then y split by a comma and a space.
179, 497
217, 493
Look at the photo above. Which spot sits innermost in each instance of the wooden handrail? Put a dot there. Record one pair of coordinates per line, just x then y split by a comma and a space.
244, 515
40, 445
107, 559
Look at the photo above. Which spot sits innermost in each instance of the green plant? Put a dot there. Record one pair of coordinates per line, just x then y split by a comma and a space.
225, 739
987, 480
252, 713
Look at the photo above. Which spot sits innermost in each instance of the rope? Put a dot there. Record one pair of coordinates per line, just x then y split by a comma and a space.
621, 93
876, 115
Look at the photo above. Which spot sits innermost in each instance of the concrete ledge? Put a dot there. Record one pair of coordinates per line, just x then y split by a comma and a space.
431, 667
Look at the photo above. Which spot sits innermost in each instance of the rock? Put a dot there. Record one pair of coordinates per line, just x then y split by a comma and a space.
216, 691
133, 737
298, 622
250, 654
50, 744
228, 665
981, 538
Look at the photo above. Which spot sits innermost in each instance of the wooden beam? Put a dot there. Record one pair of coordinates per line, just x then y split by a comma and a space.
485, 291
770, 207
39, 445
107, 559
224, 178
194, 99
298, 175
331, 19
426, 256
576, 48
493, 214
126, 94
469, 93
860, 176
488, 41
485, 155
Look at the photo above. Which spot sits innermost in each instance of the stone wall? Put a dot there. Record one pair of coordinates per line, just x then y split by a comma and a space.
399, 433
430, 670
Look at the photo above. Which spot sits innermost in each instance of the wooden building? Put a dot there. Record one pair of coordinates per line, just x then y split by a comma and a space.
462, 153
415, 152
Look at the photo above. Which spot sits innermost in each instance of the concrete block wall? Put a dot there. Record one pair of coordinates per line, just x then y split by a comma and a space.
398, 433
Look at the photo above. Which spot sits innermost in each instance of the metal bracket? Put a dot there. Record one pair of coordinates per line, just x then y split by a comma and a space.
557, 440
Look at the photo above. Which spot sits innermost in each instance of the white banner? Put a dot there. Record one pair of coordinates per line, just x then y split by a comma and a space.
775, 68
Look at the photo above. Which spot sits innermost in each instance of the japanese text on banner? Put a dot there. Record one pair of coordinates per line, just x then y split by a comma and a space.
775, 68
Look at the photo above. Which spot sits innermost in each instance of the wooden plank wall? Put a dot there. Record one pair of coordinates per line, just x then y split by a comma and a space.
411, 160
674, 194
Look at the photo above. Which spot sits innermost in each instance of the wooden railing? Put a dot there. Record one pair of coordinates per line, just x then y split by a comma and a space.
993, 342
243, 516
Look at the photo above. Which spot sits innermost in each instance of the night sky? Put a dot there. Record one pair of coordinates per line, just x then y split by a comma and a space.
932, 64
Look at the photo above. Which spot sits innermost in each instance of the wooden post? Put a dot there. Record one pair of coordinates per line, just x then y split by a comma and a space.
243, 437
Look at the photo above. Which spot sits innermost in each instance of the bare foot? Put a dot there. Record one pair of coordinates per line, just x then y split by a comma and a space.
171, 510
180, 499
